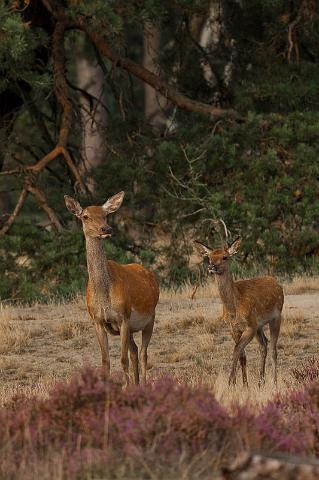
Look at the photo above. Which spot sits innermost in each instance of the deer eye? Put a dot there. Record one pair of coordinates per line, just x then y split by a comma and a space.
85, 216
225, 257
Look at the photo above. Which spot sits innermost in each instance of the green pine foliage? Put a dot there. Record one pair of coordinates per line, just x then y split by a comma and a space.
18, 45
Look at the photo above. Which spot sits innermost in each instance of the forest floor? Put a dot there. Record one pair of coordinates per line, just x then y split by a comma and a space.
43, 343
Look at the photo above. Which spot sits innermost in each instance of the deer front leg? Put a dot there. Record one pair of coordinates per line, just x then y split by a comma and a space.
237, 333
104, 347
125, 341
246, 337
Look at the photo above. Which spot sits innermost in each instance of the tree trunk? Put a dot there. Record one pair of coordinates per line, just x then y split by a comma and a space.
93, 116
221, 51
154, 103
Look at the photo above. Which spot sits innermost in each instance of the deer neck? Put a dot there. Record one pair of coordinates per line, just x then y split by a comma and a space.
226, 288
98, 270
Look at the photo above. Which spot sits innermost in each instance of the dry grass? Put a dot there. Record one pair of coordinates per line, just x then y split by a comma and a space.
70, 329
42, 344
206, 343
293, 323
299, 285
188, 291
39, 388
13, 338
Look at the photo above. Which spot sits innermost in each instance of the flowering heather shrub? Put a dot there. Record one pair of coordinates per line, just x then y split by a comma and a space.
291, 424
96, 429
108, 422
307, 371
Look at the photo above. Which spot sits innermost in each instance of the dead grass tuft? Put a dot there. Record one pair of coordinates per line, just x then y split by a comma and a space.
212, 325
177, 356
13, 338
206, 342
254, 396
68, 329
293, 323
182, 323
8, 364
40, 388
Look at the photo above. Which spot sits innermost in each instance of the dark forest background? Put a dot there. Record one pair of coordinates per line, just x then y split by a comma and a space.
205, 112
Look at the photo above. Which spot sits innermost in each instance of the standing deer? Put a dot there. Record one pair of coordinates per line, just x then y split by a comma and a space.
121, 299
248, 305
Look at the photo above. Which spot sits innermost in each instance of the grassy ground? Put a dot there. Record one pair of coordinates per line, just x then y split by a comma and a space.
41, 344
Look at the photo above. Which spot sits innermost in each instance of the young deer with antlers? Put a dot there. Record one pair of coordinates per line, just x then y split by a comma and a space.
248, 305
121, 299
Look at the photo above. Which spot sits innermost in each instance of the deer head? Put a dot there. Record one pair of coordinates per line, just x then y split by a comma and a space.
218, 259
93, 218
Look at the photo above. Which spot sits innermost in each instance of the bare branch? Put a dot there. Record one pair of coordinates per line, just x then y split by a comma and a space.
186, 215
79, 182
42, 201
44, 161
14, 171
16, 211
194, 291
225, 228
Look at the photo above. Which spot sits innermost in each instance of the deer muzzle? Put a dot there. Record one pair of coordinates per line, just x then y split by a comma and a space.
216, 269
106, 232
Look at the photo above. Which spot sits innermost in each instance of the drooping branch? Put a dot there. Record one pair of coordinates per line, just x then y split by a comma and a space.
160, 85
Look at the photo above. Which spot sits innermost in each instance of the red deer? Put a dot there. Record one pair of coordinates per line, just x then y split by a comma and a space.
121, 299
248, 305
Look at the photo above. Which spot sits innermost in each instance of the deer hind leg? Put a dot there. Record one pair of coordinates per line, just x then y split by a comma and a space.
274, 327
243, 364
104, 347
125, 342
134, 359
240, 346
146, 337
262, 340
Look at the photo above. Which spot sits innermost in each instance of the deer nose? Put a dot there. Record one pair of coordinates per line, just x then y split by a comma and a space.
212, 268
107, 230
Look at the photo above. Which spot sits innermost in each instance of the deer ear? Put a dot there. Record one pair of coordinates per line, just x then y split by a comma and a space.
234, 247
73, 205
113, 203
202, 249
